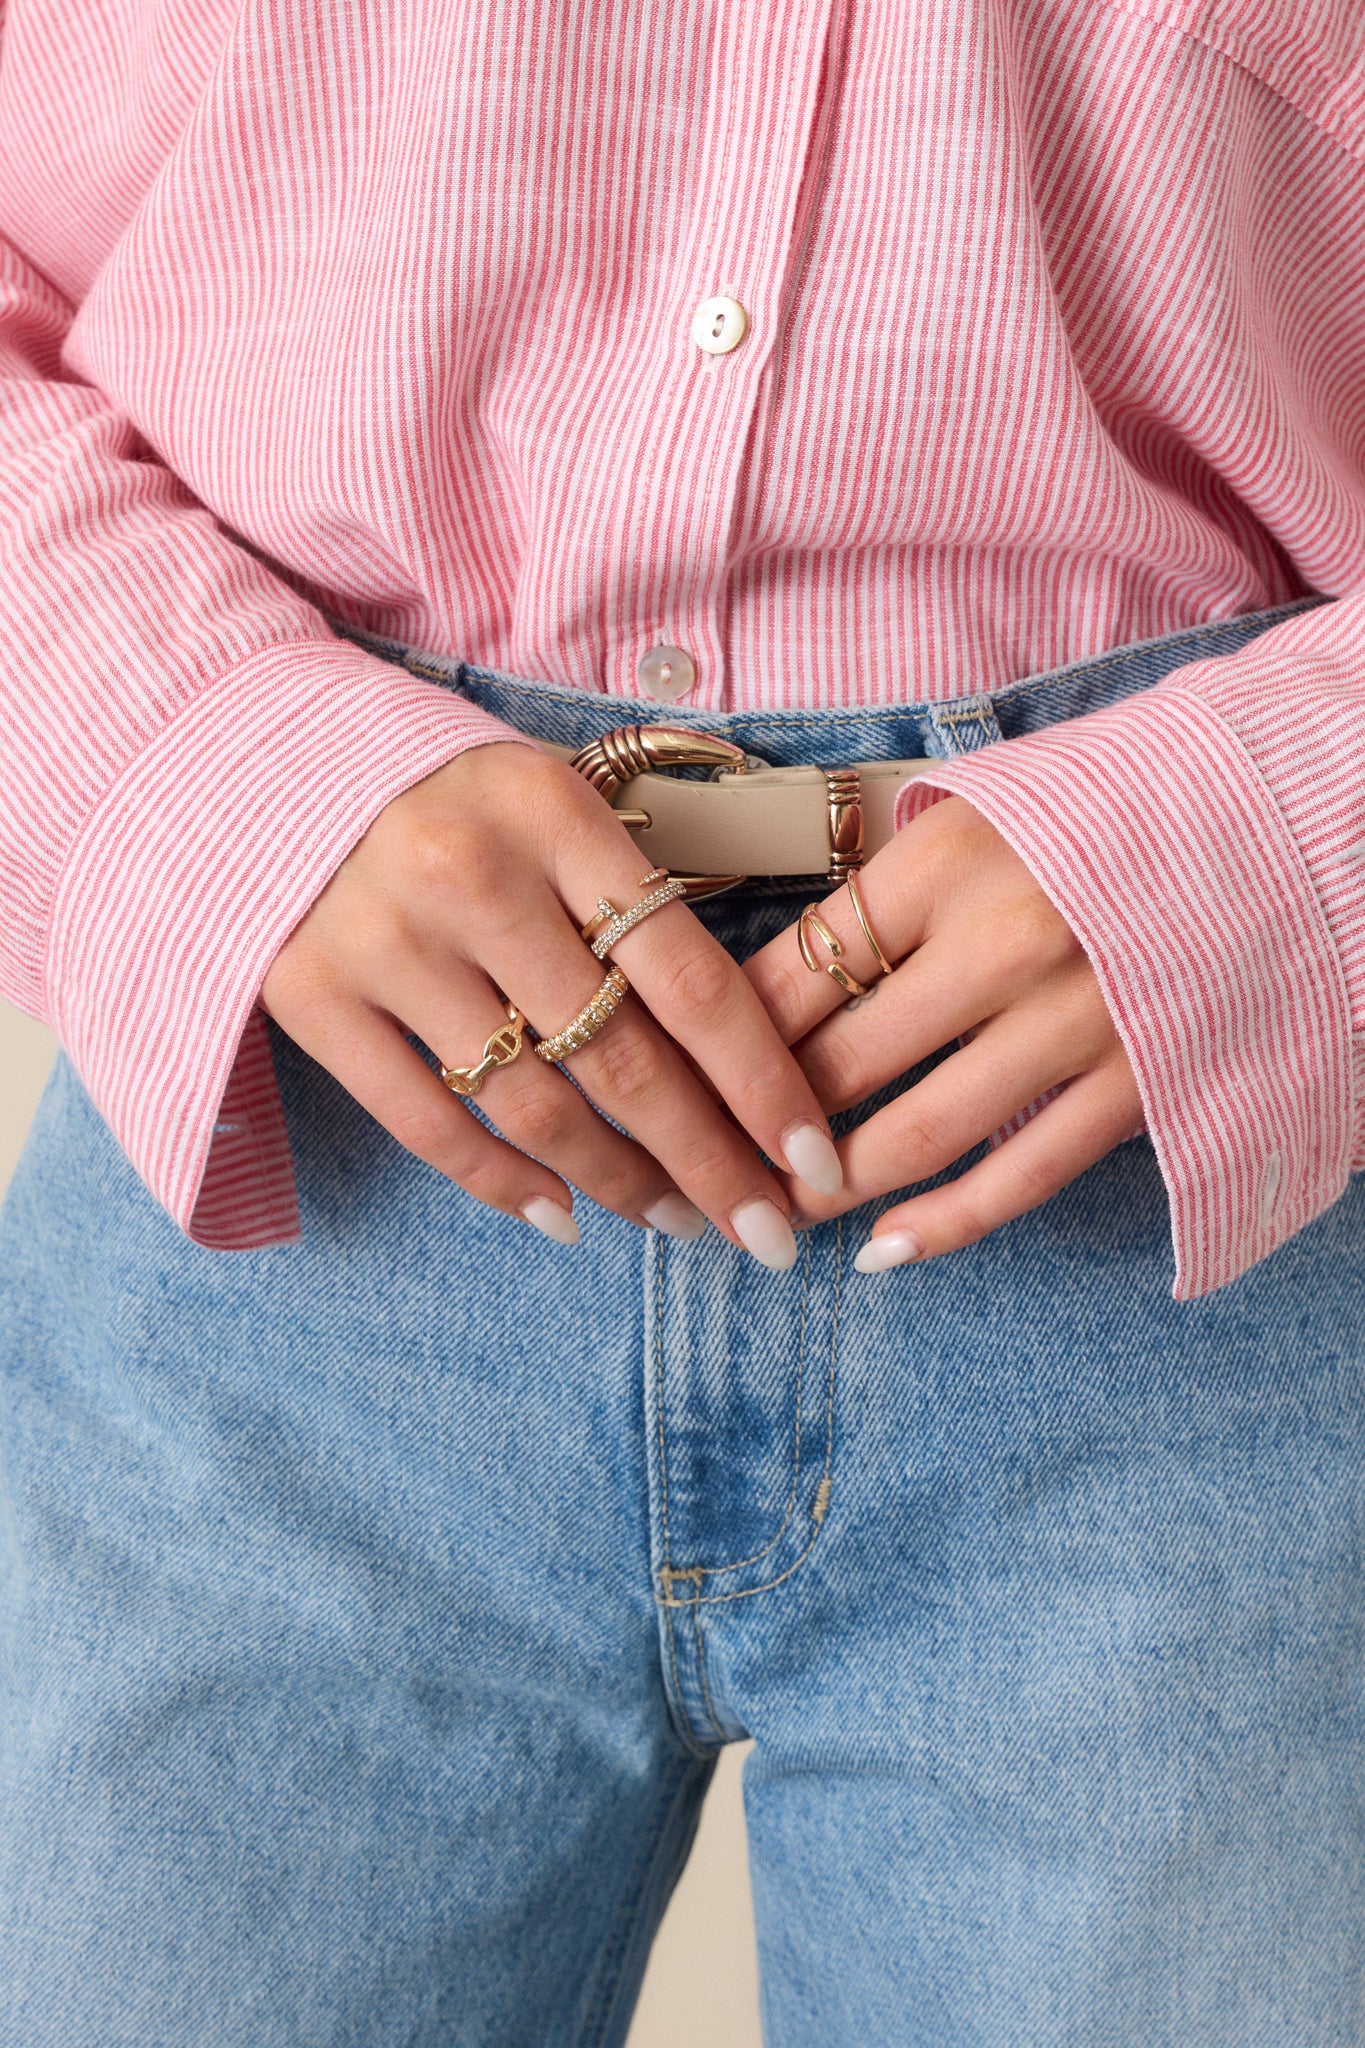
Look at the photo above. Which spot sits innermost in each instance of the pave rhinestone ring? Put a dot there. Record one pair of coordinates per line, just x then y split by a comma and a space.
610, 924
589, 1020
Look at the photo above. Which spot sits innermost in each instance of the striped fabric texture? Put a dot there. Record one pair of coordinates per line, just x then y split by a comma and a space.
1056, 342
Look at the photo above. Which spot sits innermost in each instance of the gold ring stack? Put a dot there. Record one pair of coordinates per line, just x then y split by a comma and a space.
609, 924
589, 1020
811, 922
499, 1051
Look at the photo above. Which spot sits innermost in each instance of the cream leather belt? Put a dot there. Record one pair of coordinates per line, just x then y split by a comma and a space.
746, 820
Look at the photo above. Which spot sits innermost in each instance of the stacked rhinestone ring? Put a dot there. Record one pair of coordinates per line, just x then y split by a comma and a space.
589, 1020
618, 922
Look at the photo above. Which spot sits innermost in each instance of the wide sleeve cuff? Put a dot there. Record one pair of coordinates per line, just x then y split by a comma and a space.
1152, 829
183, 884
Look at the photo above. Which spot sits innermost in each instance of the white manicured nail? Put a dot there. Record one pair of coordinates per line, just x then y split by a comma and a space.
543, 1214
812, 1158
763, 1230
675, 1216
892, 1248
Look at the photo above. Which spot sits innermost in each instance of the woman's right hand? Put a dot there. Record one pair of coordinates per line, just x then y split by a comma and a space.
476, 881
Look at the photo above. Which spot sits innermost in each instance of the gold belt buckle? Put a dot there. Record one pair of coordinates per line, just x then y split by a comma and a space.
630, 750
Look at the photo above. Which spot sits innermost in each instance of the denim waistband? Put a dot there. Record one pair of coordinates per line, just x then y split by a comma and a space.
574, 717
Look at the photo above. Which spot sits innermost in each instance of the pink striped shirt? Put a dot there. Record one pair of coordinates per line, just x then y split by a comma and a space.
1056, 341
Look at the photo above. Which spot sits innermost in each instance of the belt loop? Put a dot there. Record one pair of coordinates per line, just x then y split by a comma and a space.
961, 726
844, 822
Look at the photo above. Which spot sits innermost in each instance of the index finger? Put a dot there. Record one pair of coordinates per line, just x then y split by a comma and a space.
702, 998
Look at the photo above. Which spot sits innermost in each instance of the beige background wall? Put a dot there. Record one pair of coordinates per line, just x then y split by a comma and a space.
702, 1987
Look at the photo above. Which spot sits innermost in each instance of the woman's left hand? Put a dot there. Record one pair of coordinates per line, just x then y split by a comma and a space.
983, 955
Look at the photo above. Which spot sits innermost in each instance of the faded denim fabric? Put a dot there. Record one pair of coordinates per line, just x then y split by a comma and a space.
372, 1610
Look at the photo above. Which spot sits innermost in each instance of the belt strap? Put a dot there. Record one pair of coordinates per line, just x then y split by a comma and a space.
767, 821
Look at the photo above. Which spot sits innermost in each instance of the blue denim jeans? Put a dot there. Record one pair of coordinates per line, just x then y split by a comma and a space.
372, 1611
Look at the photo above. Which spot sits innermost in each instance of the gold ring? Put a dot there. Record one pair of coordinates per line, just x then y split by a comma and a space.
834, 946
499, 1051
608, 924
589, 1020
855, 897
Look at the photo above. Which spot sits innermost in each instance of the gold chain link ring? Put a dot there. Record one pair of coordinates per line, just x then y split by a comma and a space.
499, 1051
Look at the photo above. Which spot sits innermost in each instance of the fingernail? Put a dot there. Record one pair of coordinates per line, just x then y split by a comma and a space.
810, 1154
543, 1214
892, 1248
675, 1216
763, 1230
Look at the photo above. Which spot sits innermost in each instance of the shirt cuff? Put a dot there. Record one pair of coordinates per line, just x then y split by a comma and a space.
184, 883
1152, 830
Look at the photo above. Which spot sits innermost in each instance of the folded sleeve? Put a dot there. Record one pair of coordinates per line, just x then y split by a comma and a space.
187, 754
1205, 840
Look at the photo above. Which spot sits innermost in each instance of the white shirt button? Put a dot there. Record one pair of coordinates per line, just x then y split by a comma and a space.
718, 325
666, 673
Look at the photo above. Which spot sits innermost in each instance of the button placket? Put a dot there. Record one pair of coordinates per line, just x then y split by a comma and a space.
766, 62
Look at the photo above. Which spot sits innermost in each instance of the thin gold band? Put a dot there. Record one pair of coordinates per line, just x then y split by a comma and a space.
589, 1020
855, 897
